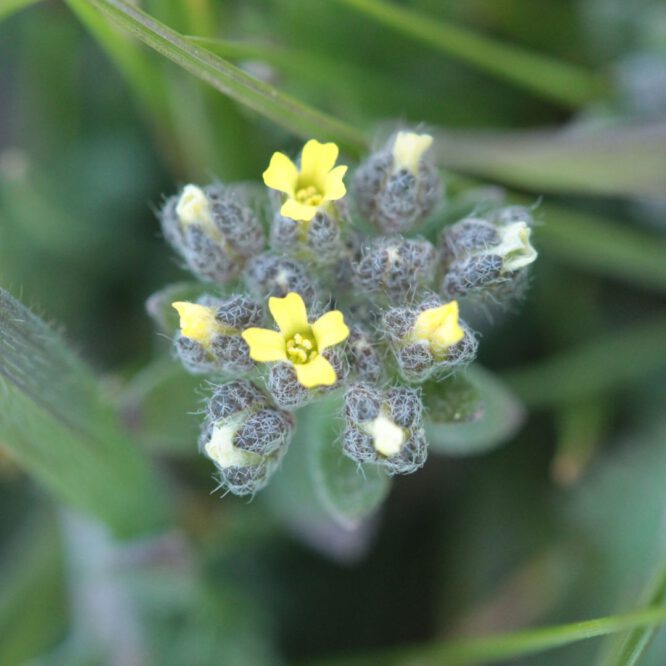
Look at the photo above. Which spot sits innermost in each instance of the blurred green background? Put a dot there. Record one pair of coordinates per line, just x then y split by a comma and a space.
559, 104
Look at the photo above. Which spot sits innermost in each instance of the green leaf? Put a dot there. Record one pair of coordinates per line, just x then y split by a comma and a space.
492, 649
610, 161
560, 82
253, 93
9, 7
348, 491
55, 424
495, 416
607, 363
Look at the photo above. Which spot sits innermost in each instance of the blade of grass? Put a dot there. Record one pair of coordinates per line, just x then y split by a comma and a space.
560, 82
631, 649
490, 649
56, 425
603, 364
230, 80
615, 161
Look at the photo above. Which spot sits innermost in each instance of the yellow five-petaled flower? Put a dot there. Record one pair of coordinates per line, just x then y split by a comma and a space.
317, 182
298, 342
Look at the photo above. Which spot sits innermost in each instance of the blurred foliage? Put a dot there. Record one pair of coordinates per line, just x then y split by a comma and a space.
562, 104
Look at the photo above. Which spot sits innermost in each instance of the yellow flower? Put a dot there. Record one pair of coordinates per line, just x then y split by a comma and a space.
298, 342
317, 182
198, 322
408, 150
438, 326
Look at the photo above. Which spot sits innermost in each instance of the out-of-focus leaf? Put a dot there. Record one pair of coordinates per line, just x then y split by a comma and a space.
56, 425
560, 82
604, 364
347, 491
497, 417
32, 593
9, 7
228, 79
612, 161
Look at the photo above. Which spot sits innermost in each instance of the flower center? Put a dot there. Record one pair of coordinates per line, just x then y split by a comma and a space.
301, 349
310, 196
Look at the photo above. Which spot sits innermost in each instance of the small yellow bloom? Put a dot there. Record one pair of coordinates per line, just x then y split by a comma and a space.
198, 322
298, 342
408, 150
317, 182
439, 326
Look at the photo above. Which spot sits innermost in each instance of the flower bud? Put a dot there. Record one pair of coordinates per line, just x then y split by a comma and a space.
365, 362
429, 340
395, 267
210, 339
384, 428
270, 275
487, 257
212, 231
399, 186
244, 436
285, 389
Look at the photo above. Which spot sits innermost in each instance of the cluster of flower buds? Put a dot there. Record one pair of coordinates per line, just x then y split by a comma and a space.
317, 306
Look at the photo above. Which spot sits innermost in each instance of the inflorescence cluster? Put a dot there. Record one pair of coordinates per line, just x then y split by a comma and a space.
332, 292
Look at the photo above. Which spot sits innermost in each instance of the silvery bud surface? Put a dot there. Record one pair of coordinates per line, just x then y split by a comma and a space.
212, 230
268, 274
399, 185
384, 427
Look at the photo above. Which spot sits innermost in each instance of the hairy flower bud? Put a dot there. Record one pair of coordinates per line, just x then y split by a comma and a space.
398, 186
244, 436
487, 257
429, 341
209, 339
212, 231
270, 275
395, 267
384, 428
365, 361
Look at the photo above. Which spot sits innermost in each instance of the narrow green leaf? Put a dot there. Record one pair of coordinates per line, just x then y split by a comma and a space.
560, 82
604, 364
594, 244
230, 80
55, 424
498, 417
492, 649
630, 650
611, 161
347, 491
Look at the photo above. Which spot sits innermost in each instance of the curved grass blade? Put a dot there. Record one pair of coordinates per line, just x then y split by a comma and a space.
55, 424
491, 649
230, 80
560, 82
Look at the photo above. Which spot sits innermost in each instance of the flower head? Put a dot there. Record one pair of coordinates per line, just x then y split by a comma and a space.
439, 326
298, 342
197, 322
317, 182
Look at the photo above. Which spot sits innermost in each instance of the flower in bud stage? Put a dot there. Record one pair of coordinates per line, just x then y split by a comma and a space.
313, 186
210, 333
212, 231
270, 275
244, 436
399, 186
384, 428
298, 342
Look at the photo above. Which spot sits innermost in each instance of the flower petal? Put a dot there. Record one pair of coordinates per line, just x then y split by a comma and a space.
318, 372
334, 187
197, 322
281, 174
265, 345
317, 159
330, 329
298, 211
289, 314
